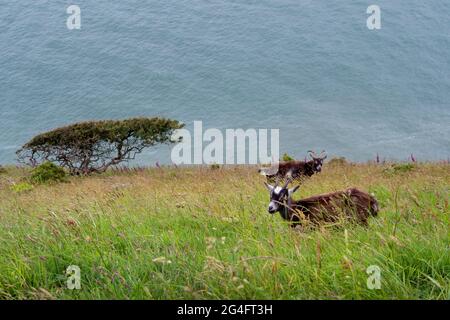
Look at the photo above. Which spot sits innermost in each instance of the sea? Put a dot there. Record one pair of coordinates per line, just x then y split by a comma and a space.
312, 69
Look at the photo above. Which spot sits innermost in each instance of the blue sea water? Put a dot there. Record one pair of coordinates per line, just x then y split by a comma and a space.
311, 68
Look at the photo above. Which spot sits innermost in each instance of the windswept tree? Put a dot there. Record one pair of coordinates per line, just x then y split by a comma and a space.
94, 146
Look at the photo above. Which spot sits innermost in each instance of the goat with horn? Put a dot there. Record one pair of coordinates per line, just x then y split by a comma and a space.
352, 204
295, 169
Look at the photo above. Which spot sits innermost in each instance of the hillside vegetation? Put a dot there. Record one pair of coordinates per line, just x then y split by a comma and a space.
199, 233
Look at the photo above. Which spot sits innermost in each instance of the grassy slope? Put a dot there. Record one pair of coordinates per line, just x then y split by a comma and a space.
212, 237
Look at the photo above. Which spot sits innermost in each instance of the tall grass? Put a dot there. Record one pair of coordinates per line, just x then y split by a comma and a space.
197, 233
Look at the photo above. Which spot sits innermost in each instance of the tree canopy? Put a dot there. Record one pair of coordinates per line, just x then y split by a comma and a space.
94, 146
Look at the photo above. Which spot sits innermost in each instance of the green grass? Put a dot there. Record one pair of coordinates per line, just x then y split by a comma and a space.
199, 233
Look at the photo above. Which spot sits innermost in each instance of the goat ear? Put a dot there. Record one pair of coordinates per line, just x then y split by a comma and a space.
269, 187
291, 191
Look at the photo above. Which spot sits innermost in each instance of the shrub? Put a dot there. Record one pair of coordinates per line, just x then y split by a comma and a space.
2, 170
399, 168
338, 161
21, 187
47, 172
94, 146
286, 157
404, 167
214, 166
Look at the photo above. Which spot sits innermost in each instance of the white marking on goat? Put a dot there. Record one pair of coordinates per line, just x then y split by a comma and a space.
277, 189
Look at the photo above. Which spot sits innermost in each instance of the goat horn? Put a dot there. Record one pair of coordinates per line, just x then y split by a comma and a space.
288, 180
277, 181
312, 153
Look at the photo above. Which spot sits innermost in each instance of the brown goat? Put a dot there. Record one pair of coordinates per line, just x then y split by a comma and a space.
294, 169
351, 204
